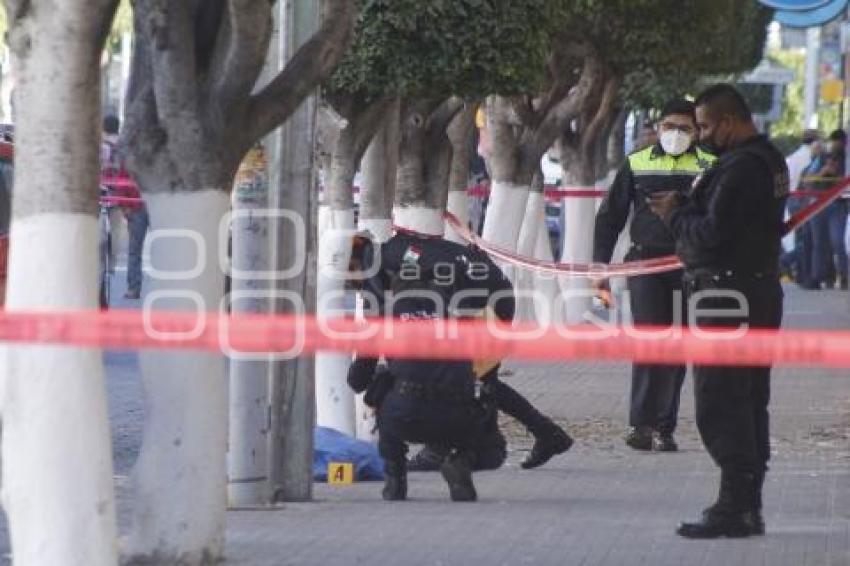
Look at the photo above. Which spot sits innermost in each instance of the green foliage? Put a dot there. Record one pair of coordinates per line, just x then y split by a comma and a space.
793, 113
438, 48
663, 48
123, 23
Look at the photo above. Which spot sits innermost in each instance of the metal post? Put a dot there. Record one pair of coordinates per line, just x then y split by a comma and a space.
811, 94
291, 385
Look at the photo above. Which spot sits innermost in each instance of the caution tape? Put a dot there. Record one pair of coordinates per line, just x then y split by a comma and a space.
549, 191
633, 268
594, 270
445, 339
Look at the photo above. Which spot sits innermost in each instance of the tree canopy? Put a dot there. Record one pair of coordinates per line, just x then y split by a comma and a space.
438, 48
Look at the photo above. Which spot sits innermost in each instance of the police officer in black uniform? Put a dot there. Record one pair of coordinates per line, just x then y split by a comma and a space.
728, 233
671, 164
434, 402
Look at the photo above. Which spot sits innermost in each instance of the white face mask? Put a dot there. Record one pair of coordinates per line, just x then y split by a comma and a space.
675, 142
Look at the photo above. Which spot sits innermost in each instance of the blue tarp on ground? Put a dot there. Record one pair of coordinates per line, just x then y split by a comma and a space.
333, 446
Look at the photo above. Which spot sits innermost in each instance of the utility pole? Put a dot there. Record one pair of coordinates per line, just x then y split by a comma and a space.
247, 454
293, 189
811, 92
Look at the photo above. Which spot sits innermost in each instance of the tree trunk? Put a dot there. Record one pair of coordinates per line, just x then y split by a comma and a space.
511, 182
376, 197
183, 453
379, 176
617, 140
425, 156
579, 214
460, 134
56, 451
535, 292
194, 110
334, 399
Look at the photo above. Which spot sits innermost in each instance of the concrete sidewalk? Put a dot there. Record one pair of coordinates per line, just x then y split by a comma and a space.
601, 504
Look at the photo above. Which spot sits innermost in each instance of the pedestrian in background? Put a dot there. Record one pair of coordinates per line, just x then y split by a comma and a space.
136, 213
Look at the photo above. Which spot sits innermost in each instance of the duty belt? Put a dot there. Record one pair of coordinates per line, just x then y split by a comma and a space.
429, 391
702, 275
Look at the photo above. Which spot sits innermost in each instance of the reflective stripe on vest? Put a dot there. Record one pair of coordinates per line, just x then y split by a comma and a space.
645, 163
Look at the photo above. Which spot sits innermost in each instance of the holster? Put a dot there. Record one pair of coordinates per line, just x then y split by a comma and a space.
381, 385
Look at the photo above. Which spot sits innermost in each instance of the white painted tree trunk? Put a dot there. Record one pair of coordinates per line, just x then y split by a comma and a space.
378, 165
526, 245
57, 486
334, 398
57, 462
458, 205
420, 218
579, 215
535, 292
180, 478
504, 217
247, 454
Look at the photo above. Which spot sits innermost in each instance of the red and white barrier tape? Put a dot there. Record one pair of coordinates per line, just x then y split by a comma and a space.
447, 339
633, 268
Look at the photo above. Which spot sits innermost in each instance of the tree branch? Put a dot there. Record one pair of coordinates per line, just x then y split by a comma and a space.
557, 119
312, 64
439, 120
242, 50
168, 27
603, 112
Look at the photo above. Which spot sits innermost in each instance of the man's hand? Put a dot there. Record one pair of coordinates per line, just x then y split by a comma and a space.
602, 290
601, 284
663, 203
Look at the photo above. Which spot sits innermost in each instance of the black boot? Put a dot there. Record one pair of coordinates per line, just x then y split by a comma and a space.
639, 438
552, 441
549, 439
457, 471
395, 481
733, 516
664, 442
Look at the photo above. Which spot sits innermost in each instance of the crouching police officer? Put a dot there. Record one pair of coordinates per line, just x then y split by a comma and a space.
418, 277
728, 233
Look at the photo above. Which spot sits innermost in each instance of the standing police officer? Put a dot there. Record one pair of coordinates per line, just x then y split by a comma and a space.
671, 164
728, 234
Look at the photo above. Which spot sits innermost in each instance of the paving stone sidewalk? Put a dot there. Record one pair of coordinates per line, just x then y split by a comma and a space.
601, 504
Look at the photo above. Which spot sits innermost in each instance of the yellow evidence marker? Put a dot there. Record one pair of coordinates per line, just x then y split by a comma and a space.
340, 473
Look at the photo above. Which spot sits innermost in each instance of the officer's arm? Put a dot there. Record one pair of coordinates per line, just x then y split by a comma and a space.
725, 214
361, 373
613, 214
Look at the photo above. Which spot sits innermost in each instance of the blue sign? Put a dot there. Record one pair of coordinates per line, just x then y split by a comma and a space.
811, 18
794, 5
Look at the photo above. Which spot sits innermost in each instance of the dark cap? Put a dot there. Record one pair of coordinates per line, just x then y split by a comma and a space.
838, 135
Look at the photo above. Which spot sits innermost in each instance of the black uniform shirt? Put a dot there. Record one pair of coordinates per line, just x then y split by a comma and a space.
419, 279
732, 218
